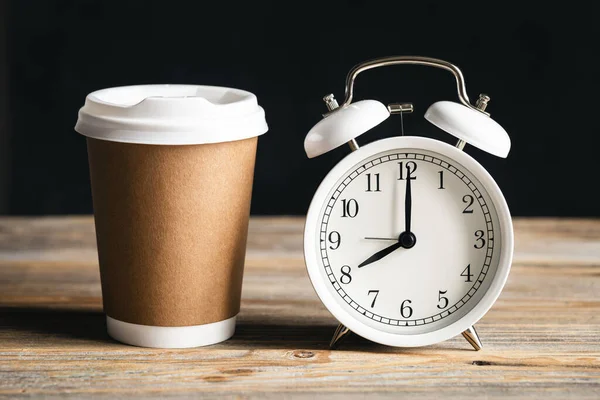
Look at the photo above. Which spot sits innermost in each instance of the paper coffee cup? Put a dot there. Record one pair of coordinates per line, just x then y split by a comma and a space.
171, 170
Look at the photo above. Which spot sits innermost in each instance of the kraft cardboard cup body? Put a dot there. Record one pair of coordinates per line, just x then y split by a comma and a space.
171, 170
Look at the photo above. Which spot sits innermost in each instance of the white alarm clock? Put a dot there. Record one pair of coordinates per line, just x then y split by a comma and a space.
408, 240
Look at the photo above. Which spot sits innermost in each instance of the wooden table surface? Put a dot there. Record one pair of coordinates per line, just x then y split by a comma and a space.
541, 339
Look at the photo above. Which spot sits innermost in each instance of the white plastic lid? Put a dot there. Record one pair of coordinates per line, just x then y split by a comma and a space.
171, 115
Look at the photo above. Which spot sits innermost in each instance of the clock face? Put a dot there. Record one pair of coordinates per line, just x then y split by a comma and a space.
407, 241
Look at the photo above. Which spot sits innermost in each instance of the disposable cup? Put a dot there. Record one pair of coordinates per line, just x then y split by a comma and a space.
171, 171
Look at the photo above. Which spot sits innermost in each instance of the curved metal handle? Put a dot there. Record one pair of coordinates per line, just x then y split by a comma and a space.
415, 60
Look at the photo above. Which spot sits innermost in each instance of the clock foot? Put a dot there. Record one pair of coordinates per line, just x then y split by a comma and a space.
473, 338
340, 333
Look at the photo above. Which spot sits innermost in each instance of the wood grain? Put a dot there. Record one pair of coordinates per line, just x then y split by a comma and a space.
541, 339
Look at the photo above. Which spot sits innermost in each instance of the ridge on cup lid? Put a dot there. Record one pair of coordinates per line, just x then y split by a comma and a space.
171, 115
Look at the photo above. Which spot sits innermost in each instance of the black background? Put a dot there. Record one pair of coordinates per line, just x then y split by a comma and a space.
535, 61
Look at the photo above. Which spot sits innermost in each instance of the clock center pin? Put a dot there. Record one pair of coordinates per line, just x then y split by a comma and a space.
407, 239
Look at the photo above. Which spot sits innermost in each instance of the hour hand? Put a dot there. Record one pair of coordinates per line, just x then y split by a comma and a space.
380, 254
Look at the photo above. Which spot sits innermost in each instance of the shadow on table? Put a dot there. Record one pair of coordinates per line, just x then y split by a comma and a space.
257, 335
55, 322
69, 324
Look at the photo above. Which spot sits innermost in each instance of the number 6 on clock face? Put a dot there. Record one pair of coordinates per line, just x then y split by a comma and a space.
408, 241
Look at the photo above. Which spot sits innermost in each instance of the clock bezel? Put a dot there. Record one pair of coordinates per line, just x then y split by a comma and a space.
311, 237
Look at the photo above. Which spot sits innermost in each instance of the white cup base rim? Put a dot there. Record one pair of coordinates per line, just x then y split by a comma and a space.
170, 337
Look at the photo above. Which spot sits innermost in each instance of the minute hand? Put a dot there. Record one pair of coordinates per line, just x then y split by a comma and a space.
407, 205
380, 254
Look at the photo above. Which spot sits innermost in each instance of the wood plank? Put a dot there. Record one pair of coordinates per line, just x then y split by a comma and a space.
541, 338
